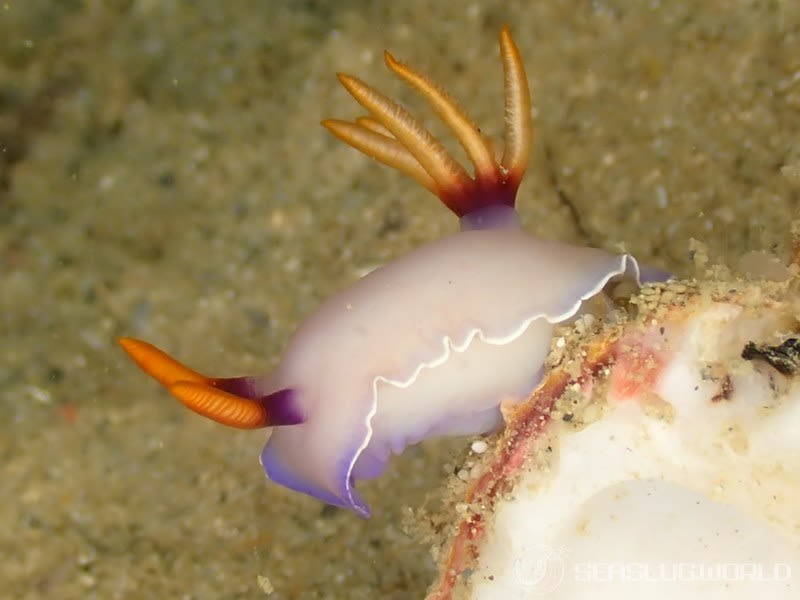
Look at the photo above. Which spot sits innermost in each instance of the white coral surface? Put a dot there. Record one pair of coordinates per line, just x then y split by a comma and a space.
687, 488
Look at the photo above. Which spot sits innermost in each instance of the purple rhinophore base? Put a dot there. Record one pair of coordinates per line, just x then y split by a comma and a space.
282, 405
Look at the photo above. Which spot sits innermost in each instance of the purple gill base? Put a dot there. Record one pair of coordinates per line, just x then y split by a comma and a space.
493, 216
282, 406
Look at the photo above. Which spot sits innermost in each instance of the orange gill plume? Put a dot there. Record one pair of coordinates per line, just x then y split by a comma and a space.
391, 135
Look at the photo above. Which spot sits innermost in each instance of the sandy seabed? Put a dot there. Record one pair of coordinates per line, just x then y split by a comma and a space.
163, 175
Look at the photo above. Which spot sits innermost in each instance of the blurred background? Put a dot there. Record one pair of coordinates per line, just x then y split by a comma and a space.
163, 175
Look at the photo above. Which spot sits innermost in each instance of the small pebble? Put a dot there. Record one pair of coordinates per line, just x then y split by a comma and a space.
479, 446
265, 584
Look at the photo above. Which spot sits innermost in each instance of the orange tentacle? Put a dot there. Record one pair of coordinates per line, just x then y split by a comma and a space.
220, 406
158, 364
198, 392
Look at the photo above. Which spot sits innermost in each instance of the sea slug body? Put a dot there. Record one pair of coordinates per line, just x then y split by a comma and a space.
429, 344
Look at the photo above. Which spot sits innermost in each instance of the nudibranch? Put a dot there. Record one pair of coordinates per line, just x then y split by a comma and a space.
430, 344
